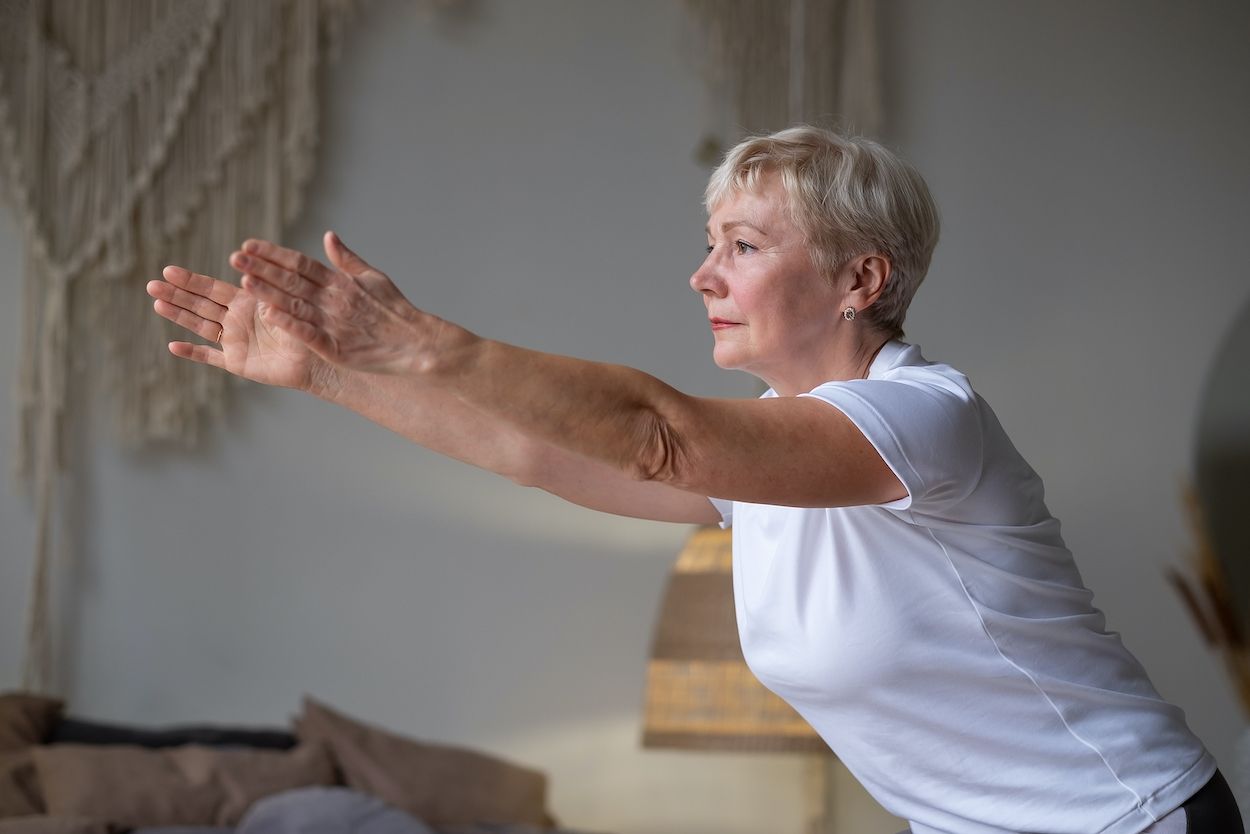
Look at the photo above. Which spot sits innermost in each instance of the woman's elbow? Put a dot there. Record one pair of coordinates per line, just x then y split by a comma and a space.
660, 453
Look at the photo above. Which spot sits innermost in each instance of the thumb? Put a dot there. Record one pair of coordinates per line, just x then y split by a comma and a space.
344, 258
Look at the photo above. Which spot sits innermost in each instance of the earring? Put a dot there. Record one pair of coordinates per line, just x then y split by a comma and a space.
849, 314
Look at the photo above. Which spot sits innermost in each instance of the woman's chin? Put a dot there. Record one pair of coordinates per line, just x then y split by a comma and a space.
728, 357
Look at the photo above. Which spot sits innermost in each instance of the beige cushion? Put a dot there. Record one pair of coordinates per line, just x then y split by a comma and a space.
52, 825
19, 786
134, 787
439, 785
26, 719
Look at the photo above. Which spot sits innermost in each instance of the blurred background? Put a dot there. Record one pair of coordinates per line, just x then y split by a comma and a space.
531, 170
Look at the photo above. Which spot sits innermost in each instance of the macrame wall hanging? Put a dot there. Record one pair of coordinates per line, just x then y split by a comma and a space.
136, 133
785, 62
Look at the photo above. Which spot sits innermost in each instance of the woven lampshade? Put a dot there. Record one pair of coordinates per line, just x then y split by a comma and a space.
700, 693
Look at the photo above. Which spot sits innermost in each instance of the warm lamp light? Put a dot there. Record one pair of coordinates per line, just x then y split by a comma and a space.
700, 694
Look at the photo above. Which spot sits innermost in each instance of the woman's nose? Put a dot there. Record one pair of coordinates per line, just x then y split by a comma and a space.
706, 279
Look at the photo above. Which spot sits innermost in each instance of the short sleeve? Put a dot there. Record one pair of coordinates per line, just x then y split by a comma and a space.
929, 434
726, 510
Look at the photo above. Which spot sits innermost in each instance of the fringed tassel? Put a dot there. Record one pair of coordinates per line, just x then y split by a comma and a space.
859, 81
37, 671
797, 61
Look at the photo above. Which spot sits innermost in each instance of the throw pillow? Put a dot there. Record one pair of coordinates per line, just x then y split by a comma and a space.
26, 719
19, 786
133, 787
438, 784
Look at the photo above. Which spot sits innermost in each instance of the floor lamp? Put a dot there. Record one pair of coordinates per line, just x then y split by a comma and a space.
700, 695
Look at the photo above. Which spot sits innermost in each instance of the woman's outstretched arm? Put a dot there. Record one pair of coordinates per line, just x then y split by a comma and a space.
441, 422
252, 348
792, 451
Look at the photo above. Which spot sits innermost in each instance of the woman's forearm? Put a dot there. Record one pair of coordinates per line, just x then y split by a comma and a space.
437, 419
430, 417
617, 415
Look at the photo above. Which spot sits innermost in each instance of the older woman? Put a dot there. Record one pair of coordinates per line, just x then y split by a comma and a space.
898, 578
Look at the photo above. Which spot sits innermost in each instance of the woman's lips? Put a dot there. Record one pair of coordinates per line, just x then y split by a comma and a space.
721, 324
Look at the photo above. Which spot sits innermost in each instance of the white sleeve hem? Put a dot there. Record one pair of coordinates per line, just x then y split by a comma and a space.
877, 431
726, 510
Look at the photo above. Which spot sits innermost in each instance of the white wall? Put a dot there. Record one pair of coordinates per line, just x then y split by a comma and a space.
528, 172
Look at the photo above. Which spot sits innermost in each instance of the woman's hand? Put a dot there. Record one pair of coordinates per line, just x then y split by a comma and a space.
250, 346
351, 314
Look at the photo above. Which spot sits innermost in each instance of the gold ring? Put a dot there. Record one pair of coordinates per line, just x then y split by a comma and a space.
220, 333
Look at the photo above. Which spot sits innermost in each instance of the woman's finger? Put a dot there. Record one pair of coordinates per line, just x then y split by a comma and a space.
200, 326
199, 353
198, 304
344, 258
284, 279
219, 292
290, 259
274, 297
309, 334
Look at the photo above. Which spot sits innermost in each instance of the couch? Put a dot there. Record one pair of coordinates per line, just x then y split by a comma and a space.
330, 772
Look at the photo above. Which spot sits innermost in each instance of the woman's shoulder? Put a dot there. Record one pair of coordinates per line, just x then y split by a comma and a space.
902, 361
899, 366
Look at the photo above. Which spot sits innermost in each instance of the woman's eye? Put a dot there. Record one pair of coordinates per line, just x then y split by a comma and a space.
743, 247
709, 248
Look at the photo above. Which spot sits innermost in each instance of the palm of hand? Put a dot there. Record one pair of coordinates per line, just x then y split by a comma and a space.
261, 352
250, 346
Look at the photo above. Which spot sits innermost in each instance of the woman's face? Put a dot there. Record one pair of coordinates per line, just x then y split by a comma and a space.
772, 314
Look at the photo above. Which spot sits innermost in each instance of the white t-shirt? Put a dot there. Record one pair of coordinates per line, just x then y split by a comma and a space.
944, 644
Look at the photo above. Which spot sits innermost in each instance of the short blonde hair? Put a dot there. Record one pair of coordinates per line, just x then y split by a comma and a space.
849, 196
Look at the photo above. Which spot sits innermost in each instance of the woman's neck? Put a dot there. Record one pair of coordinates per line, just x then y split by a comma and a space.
840, 363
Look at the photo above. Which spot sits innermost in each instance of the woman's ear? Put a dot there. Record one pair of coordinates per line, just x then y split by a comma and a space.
869, 275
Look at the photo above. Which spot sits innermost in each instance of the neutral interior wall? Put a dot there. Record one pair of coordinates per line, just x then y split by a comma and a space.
1088, 159
527, 170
